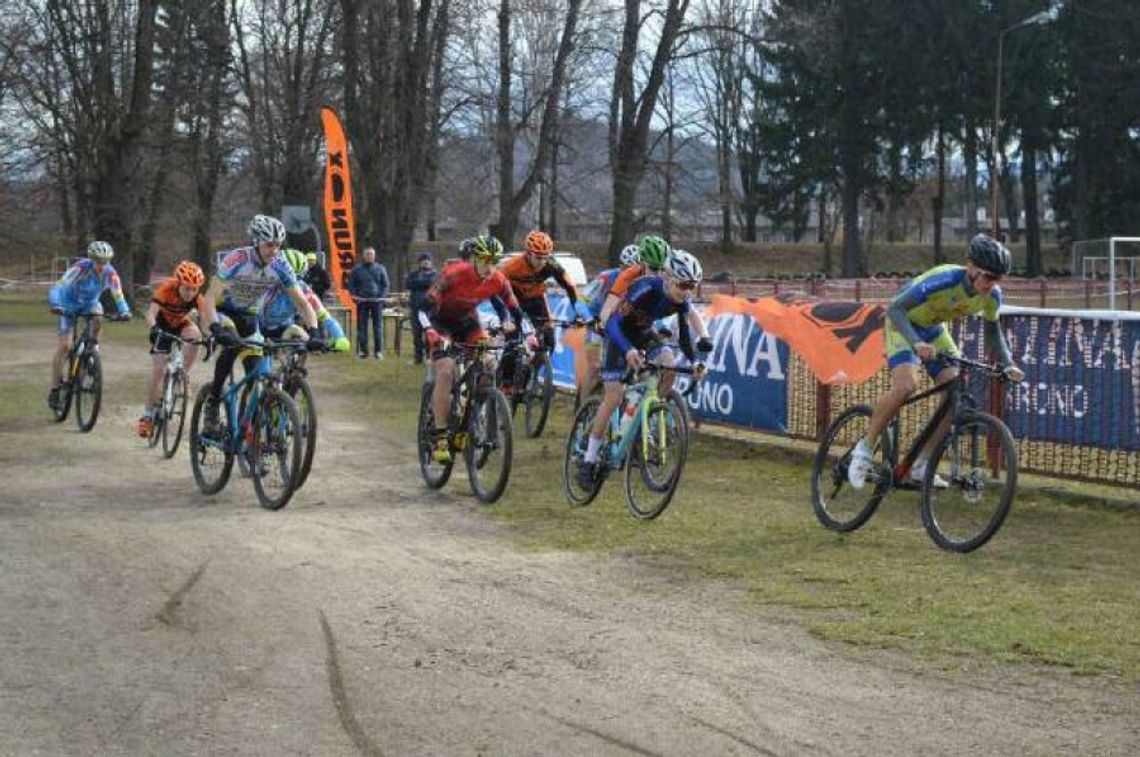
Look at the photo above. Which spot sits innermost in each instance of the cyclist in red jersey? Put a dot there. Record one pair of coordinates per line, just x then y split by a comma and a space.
450, 312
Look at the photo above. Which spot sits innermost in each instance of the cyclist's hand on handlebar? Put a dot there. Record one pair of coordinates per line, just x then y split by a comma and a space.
123, 317
155, 332
699, 370
634, 359
224, 337
924, 351
509, 328
1013, 373
704, 344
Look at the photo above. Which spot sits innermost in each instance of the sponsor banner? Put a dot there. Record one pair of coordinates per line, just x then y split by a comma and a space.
842, 342
339, 222
1082, 377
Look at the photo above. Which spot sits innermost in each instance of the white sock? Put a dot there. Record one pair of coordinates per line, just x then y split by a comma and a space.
863, 447
593, 448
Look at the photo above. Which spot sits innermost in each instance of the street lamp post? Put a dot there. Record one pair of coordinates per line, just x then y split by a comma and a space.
1042, 17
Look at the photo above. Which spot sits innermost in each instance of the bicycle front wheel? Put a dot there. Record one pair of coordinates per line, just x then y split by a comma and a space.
435, 473
576, 444
88, 391
539, 393
173, 415
656, 460
839, 505
211, 458
488, 446
275, 454
302, 395
979, 462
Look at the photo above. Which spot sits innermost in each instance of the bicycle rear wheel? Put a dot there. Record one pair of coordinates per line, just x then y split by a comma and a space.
838, 505
88, 385
576, 444
539, 393
211, 459
435, 474
656, 460
979, 460
489, 445
173, 416
302, 396
275, 454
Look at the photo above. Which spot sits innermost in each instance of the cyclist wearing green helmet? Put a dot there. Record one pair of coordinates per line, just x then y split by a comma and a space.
296, 260
653, 252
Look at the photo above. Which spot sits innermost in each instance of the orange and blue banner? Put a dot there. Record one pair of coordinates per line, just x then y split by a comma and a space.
339, 221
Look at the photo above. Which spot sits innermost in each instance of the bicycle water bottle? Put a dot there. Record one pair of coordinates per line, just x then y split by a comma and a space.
632, 400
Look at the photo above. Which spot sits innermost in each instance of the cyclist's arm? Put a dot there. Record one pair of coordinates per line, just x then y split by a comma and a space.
613, 327
500, 308
566, 284
507, 292
995, 337
304, 309
152, 314
697, 323
116, 287
215, 292
905, 301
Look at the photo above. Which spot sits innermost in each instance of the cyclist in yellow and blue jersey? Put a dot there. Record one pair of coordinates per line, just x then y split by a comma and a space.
916, 333
278, 313
77, 292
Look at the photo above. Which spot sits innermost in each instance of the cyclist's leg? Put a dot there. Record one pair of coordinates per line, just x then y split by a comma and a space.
613, 369
63, 344
159, 349
190, 333
941, 372
538, 312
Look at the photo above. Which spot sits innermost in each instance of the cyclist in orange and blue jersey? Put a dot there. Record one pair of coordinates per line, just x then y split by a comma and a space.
916, 333
77, 293
632, 338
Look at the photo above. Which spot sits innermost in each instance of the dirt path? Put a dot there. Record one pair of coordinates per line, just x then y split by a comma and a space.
374, 617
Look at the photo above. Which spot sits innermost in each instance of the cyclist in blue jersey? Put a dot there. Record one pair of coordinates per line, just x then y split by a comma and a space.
593, 296
632, 339
244, 279
76, 293
916, 333
278, 313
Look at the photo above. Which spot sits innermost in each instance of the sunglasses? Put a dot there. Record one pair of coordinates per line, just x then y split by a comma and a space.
991, 276
686, 286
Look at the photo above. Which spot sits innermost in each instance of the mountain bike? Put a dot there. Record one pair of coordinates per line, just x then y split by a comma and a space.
259, 425
291, 375
977, 457
527, 377
170, 416
479, 425
645, 436
83, 374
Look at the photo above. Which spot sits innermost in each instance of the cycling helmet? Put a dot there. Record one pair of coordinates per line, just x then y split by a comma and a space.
539, 243
990, 255
653, 251
487, 249
263, 229
466, 247
296, 261
684, 266
630, 255
189, 274
100, 251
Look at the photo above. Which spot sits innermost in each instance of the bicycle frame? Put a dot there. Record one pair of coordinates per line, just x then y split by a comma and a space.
618, 449
80, 340
261, 373
955, 400
469, 368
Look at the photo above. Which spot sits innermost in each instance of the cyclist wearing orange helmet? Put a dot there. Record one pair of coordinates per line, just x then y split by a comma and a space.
528, 274
175, 299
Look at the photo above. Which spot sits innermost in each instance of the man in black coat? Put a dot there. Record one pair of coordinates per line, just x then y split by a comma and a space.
368, 285
417, 283
316, 276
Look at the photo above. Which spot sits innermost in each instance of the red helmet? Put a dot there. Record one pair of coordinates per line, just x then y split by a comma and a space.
539, 243
189, 274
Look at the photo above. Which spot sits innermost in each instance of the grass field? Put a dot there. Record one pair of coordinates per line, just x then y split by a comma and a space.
1059, 585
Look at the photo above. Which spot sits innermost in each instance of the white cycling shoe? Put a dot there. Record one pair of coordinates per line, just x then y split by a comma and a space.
860, 465
918, 473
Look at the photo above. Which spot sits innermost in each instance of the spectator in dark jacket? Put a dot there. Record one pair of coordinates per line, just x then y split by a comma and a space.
368, 285
316, 276
417, 283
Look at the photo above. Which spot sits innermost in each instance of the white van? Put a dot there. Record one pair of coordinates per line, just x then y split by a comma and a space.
575, 268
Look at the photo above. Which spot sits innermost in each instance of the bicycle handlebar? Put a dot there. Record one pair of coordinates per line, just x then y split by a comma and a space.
997, 371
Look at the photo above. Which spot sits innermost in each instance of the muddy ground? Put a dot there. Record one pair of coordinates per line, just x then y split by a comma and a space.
374, 617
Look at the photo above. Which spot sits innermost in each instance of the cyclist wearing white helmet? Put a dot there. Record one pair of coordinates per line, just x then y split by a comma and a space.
246, 276
632, 338
77, 292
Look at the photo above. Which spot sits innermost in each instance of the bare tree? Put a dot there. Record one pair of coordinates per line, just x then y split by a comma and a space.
631, 112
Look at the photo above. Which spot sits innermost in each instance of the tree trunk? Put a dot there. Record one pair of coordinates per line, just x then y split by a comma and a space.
938, 202
1007, 186
1033, 265
504, 228
970, 193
